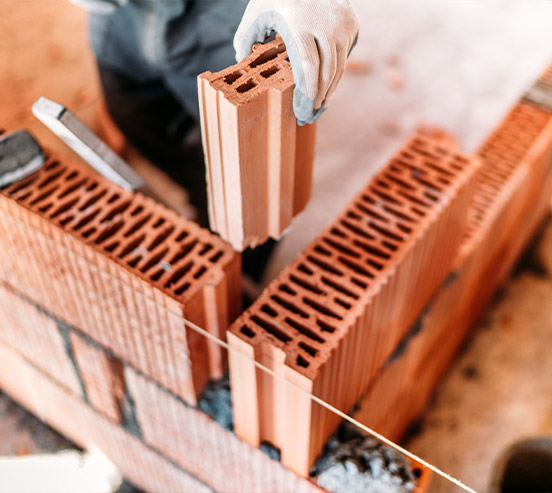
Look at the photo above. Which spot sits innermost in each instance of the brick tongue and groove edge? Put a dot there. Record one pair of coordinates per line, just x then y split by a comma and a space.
332, 318
259, 161
123, 269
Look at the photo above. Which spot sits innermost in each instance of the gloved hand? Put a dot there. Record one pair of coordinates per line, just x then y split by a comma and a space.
318, 34
99, 6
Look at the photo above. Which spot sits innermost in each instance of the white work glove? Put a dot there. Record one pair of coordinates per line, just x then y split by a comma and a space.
318, 34
99, 6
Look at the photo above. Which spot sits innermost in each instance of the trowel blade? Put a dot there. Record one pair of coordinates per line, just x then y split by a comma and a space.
20, 156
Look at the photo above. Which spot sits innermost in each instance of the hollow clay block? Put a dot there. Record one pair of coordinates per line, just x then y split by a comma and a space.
123, 269
258, 160
333, 317
102, 377
511, 199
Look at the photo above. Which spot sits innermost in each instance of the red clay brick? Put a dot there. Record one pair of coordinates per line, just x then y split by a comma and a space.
511, 199
344, 304
259, 161
123, 269
102, 376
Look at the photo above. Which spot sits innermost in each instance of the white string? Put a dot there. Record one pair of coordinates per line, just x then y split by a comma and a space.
331, 408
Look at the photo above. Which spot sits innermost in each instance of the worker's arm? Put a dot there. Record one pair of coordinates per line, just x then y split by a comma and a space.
319, 35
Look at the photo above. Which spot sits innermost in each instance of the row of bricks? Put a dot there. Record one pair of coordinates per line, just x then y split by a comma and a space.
184, 438
188, 444
515, 208
331, 319
259, 161
122, 269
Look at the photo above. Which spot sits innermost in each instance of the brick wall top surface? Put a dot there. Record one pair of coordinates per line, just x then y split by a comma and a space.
173, 254
501, 155
304, 310
267, 67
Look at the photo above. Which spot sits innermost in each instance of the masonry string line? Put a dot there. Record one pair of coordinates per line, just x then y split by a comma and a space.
331, 408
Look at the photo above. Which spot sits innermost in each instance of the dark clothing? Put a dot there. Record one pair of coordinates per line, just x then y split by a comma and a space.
149, 54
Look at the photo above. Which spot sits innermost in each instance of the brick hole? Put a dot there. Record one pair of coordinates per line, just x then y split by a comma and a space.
250, 84
399, 214
92, 200
384, 196
85, 220
72, 188
137, 225
44, 195
185, 249
159, 223
413, 198
153, 261
354, 215
51, 178
115, 212
439, 169
429, 184
404, 228
356, 230
67, 220
42, 209
344, 304
371, 250
286, 289
322, 251
341, 248
64, 208
399, 182
308, 349
355, 267
89, 232
179, 274
161, 237
370, 212
385, 232
137, 210
390, 245
109, 232
269, 310
336, 232
324, 310
52, 165
302, 362
270, 72
289, 306
216, 256
303, 268
182, 288
268, 55
271, 328
431, 196
383, 184
246, 331
72, 175
339, 287
305, 284
323, 265
304, 330
233, 77
200, 272
208, 247
157, 275
134, 262
325, 327
110, 248
182, 236
113, 198
375, 264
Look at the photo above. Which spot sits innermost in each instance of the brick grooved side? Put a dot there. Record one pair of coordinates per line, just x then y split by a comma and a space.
511, 199
121, 268
259, 161
336, 313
